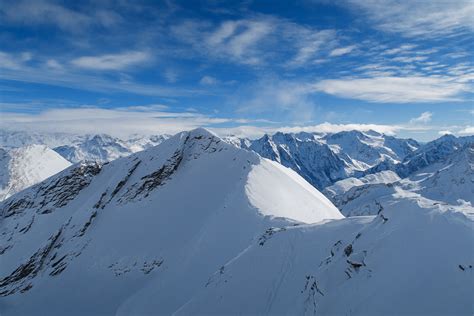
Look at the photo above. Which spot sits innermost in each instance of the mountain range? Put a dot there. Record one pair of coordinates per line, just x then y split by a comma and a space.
196, 225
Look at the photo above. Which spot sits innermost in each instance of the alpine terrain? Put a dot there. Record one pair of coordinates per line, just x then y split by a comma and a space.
196, 225
25, 166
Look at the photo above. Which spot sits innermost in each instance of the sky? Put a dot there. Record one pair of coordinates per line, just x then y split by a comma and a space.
243, 68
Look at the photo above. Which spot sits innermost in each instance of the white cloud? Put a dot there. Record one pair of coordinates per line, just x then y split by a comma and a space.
9, 61
258, 131
391, 89
119, 121
308, 43
51, 13
342, 51
255, 41
112, 61
400, 49
275, 97
236, 40
424, 118
419, 18
409, 59
208, 81
469, 130
445, 132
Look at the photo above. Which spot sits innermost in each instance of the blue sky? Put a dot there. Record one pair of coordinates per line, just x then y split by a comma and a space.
243, 68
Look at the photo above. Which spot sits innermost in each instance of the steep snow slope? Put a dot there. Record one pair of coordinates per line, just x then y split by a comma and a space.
414, 258
25, 166
449, 181
142, 234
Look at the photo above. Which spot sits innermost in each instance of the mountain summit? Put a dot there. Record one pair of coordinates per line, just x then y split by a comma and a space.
148, 229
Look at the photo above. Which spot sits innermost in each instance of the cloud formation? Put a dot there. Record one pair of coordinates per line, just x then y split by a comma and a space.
112, 61
419, 18
424, 118
394, 89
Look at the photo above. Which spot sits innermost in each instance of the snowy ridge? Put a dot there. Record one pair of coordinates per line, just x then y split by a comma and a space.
142, 226
351, 266
25, 166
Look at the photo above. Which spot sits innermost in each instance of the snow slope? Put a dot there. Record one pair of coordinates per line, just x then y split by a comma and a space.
25, 166
142, 234
414, 258
448, 181
342, 186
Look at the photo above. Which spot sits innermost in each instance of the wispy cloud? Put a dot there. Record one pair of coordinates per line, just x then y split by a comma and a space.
208, 81
236, 40
119, 121
419, 18
273, 97
52, 72
255, 41
45, 12
342, 51
469, 130
424, 118
112, 61
394, 89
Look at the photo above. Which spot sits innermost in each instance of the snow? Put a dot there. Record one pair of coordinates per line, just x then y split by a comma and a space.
148, 229
25, 166
342, 186
198, 226
448, 181
77, 147
268, 190
414, 258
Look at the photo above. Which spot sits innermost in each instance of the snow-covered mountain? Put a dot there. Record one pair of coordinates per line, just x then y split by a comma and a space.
362, 150
323, 159
148, 229
450, 181
10, 139
432, 152
303, 153
25, 166
197, 226
414, 258
76, 148
105, 148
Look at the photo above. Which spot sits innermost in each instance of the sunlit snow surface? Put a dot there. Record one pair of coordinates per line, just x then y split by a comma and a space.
25, 166
192, 227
